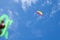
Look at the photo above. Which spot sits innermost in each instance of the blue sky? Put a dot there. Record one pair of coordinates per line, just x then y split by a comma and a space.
28, 25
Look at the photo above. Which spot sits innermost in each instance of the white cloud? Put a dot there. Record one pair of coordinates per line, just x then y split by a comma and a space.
49, 1
53, 10
16, 13
52, 13
17, 1
46, 2
10, 13
1, 10
27, 3
59, 4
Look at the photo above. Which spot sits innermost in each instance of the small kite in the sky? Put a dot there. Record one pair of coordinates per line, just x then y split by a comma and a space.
40, 13
5, 22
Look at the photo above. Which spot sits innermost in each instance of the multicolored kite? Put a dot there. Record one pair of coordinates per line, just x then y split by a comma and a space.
40, 13
5, 22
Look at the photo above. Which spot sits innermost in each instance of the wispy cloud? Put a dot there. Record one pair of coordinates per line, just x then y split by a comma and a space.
47, 2
1, 10
10, 13
17, 1
27, 3
52, 13
53, 10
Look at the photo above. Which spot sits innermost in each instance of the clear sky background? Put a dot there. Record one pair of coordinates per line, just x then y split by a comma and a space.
27, 24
